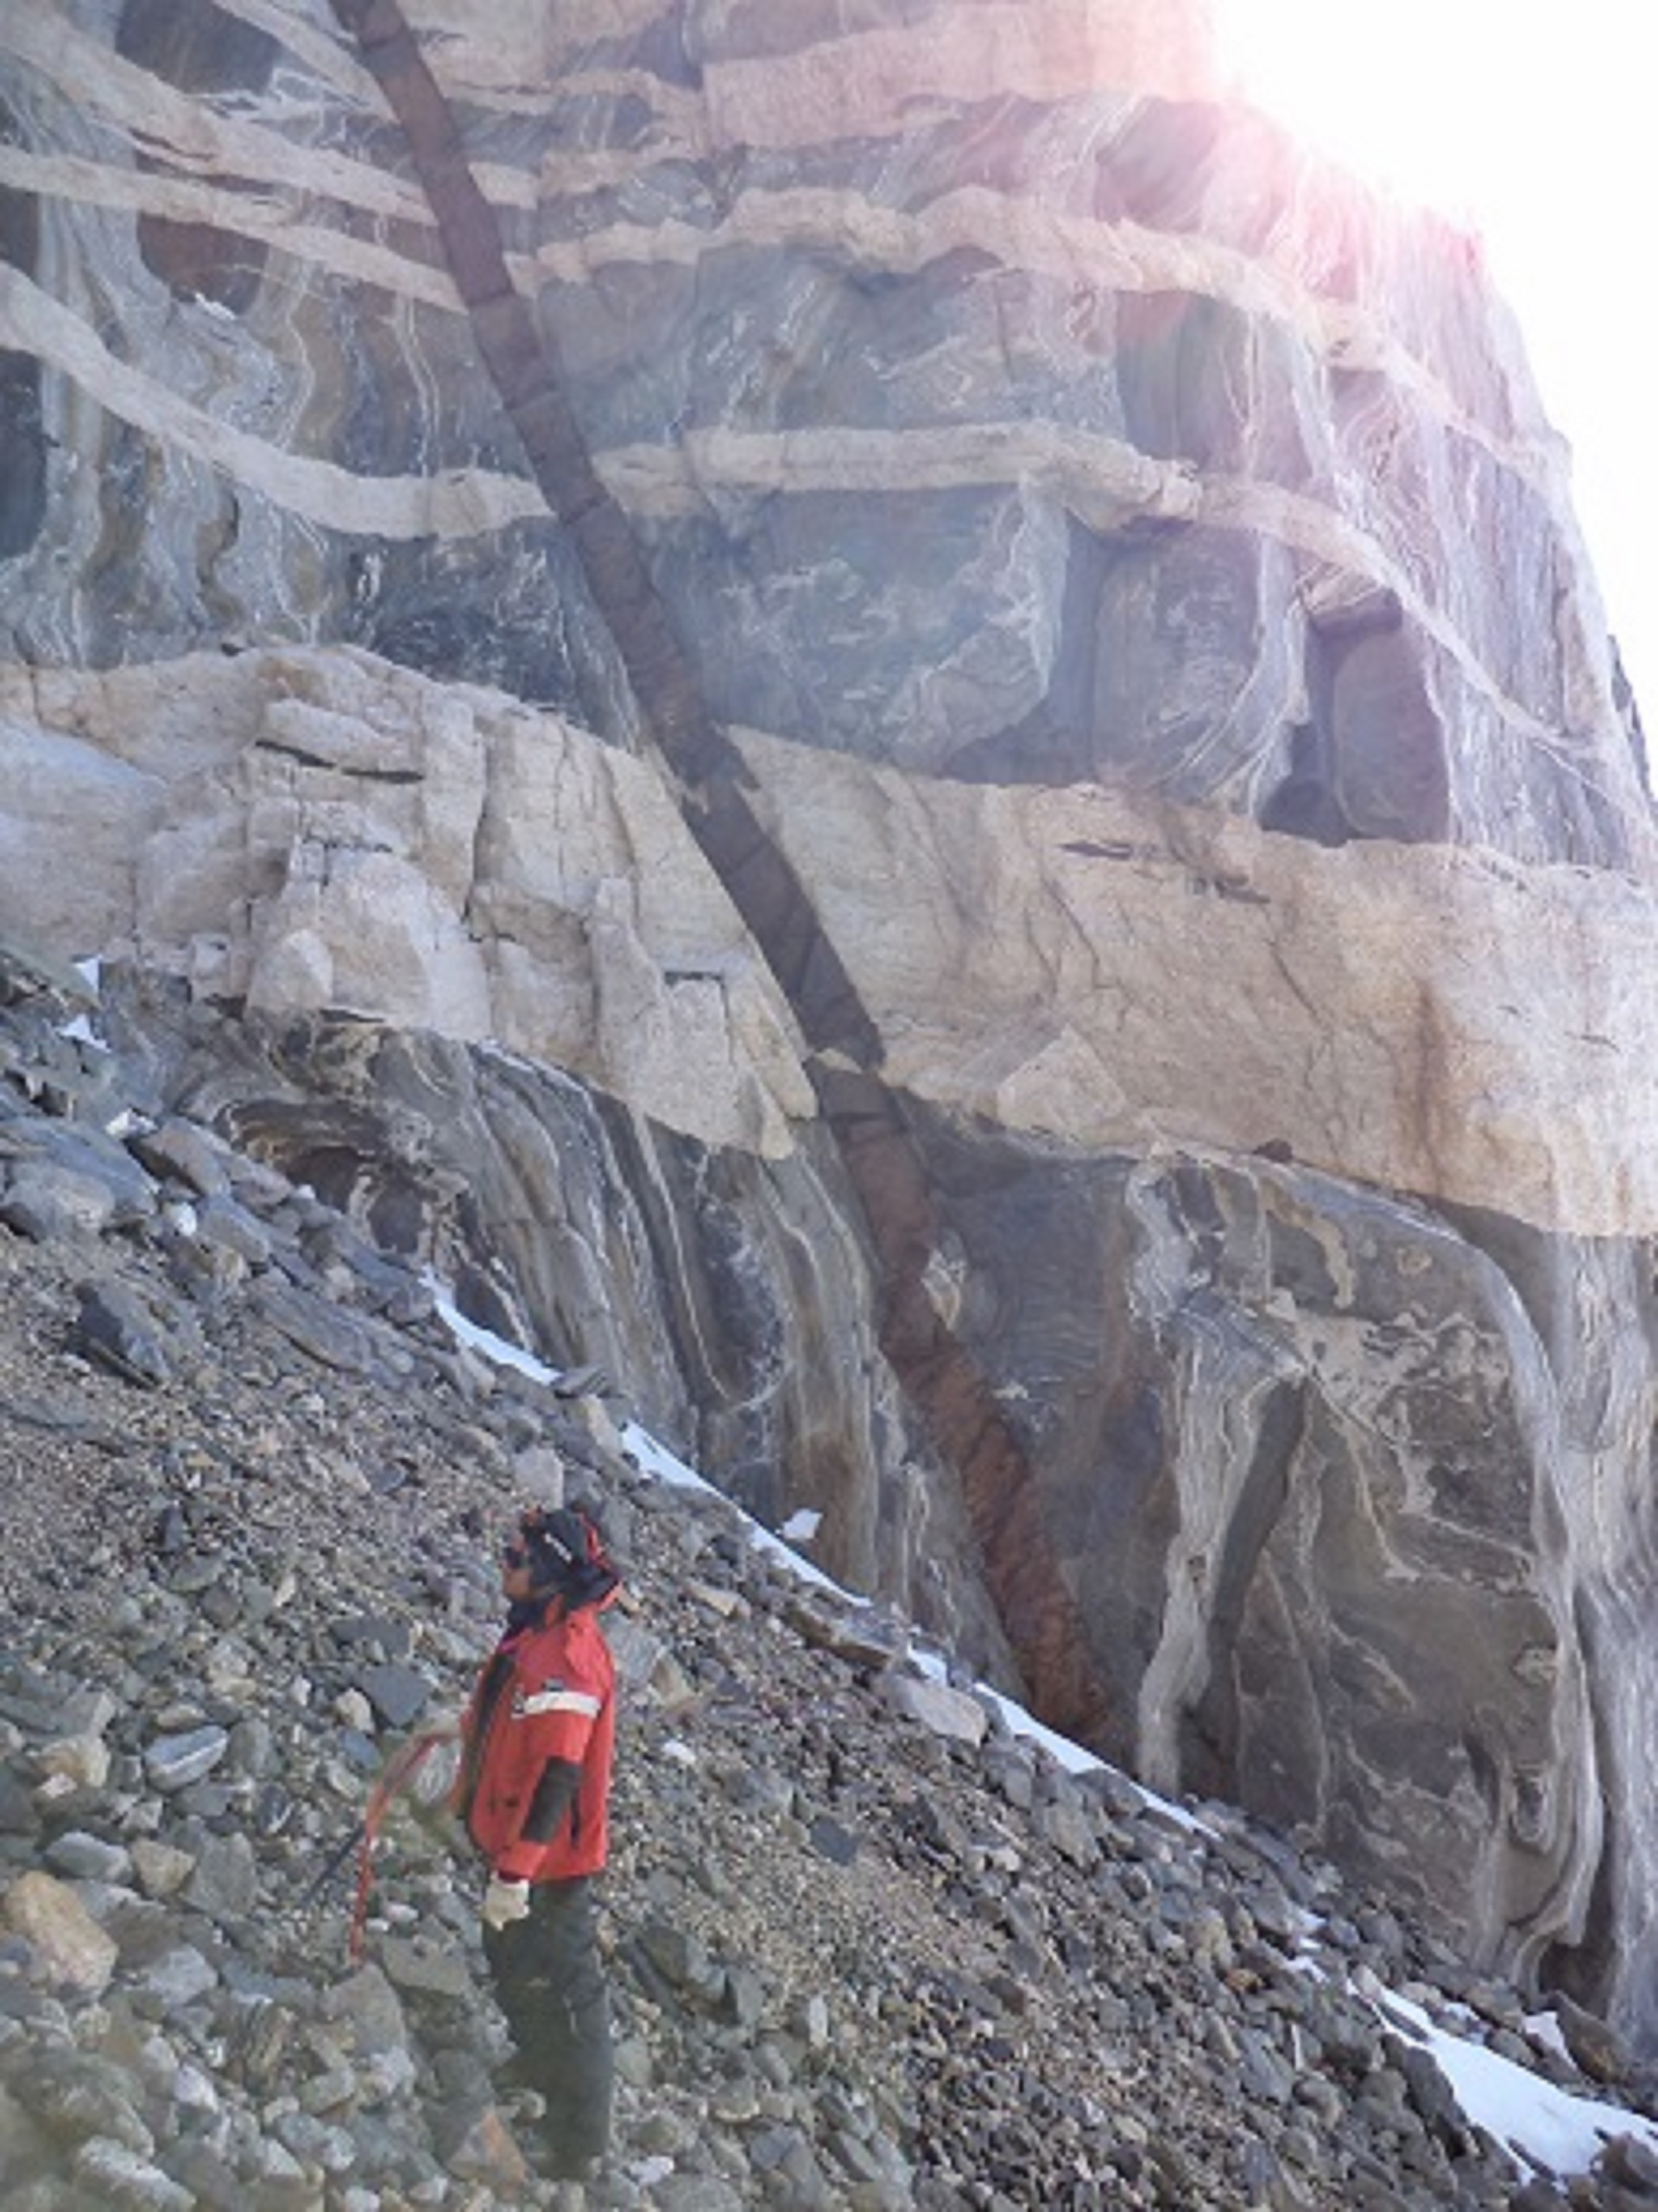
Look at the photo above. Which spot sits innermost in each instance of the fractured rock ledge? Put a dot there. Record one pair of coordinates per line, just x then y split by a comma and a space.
1424, 1018
304, 831
308, 831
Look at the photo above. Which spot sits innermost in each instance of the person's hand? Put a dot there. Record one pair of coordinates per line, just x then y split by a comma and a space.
503, 1903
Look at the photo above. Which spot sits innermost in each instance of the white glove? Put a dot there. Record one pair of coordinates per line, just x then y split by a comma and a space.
503, 1903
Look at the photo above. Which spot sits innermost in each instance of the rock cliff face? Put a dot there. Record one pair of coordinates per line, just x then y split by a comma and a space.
1066, 988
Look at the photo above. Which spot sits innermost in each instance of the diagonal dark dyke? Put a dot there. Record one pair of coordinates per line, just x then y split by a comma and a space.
882, 1162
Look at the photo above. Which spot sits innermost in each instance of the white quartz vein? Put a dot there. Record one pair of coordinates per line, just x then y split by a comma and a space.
454, 505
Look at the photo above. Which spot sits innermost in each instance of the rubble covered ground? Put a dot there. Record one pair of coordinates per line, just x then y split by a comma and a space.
871, 1947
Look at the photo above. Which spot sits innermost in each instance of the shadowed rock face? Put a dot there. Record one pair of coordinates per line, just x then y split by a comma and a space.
1311, 1475
200, 48
23, 493
1138, 582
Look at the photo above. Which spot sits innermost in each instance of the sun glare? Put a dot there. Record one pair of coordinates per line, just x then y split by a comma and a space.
1530, 123
1418, 98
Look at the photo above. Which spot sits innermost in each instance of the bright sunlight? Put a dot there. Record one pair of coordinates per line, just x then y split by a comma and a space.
1395, 95
1534, 123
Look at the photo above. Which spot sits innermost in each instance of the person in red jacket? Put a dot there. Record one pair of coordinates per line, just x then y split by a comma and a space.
537, 1741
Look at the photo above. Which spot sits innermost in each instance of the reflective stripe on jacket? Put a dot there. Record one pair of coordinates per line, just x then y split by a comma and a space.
548, 1693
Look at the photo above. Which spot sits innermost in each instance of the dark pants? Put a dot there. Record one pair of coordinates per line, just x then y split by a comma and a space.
550, 1980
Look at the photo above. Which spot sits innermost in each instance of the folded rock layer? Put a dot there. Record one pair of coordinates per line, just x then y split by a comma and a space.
1136, 591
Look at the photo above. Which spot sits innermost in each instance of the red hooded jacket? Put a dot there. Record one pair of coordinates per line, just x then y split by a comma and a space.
548, 1695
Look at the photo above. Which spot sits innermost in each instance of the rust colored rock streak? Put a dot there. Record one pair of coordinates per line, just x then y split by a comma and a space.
942, 1381
965, 1421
